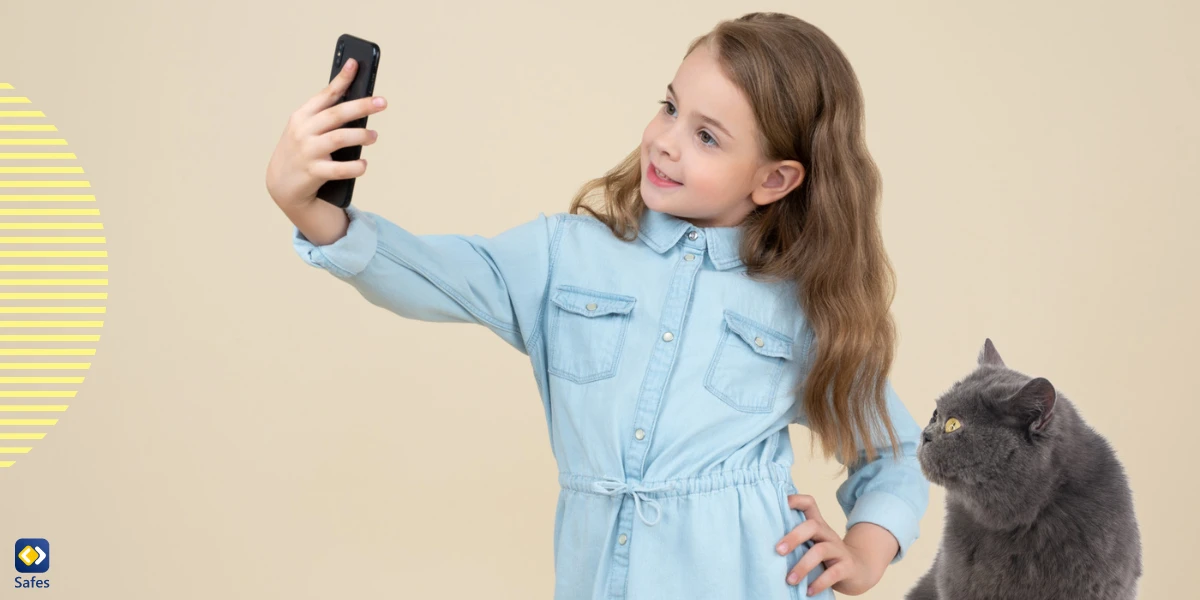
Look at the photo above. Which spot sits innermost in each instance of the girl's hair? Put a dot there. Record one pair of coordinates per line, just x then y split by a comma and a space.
824, 236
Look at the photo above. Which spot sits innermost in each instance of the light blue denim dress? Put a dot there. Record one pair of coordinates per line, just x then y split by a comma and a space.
666, 376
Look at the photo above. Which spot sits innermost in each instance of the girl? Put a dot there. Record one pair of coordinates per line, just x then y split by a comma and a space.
724, 280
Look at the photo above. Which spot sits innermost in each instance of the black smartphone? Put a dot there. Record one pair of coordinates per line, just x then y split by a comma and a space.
339, 191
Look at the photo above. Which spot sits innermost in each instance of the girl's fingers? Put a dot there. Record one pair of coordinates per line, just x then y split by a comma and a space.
831, 576
337, 139
335, 116
821, 552
808, 530
814, 527
329, 95
806, 504
329, 170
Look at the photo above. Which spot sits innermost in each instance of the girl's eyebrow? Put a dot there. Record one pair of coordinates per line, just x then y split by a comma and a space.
703, 117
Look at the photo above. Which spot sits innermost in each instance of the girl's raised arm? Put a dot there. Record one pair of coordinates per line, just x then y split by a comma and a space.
499, 282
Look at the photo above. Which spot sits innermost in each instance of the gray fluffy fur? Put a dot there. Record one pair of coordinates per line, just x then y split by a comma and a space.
1037, 505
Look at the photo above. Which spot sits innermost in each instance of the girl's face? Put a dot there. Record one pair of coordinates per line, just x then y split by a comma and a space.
701, 154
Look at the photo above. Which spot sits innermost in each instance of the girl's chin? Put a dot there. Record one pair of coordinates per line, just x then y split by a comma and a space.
651, 196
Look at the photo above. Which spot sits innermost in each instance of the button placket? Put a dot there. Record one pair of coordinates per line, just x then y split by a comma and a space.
662, 360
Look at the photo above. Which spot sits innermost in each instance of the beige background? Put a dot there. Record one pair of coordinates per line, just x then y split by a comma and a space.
241, 433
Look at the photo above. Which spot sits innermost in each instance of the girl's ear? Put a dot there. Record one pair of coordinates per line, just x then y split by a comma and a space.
779, 179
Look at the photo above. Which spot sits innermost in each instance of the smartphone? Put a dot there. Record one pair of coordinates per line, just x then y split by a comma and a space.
339, 191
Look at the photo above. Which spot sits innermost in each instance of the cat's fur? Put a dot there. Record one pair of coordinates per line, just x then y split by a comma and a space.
1037, 505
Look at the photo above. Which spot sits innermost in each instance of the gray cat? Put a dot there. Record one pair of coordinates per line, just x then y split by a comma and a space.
1037, 505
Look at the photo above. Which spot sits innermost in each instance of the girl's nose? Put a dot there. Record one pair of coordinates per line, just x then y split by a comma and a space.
664, 145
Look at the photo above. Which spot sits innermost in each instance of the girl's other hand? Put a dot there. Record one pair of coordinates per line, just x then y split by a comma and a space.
847, 570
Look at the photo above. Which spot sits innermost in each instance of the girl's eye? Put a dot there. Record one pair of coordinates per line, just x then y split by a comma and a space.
705, 137
952, 424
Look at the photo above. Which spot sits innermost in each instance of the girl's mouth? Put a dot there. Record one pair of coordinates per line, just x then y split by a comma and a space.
660, 179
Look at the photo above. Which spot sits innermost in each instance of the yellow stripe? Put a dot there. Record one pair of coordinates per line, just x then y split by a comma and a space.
43, 212
41, 380
32, 142
47, 366
47, 352
53, 254
45, 184
47, 198
70, 310
14, 450
28, 421
54, 295
47, 338
6, 86
37, 155
21, 113
28, 128
32, 225
53, 281
39, 169
22, 436
52, 240
33, 407
33, 324
14, 100
6, 463
49, 268
37, 393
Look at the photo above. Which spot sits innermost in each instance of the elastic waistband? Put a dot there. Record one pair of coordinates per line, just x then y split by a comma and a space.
682, 486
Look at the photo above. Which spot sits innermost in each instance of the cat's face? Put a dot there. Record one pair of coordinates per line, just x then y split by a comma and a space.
988, 430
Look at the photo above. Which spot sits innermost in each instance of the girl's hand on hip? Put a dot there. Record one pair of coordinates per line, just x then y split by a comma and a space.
846, 569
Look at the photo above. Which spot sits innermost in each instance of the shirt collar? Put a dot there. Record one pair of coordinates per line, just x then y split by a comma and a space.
662, 232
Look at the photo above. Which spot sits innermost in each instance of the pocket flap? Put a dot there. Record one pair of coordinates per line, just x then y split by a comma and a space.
591, 303
762, 339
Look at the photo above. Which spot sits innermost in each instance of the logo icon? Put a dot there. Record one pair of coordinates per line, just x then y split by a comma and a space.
33, 555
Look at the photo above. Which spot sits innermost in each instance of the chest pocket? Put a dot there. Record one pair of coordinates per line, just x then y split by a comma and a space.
748, 364
587, 333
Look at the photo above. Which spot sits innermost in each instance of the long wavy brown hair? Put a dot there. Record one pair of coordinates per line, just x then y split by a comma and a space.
824, 235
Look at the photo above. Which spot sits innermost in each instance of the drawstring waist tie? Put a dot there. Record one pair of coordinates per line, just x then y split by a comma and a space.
697, 484
613, 487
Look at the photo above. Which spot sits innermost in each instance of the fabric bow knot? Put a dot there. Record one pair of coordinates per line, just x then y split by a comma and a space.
613, 487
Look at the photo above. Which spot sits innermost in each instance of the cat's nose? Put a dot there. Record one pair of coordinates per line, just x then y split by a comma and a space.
926, 437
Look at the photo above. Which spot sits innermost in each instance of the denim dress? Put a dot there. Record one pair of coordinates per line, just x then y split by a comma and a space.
667, 377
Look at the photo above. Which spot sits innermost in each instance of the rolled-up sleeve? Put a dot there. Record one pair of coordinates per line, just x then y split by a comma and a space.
499, 282
889, 491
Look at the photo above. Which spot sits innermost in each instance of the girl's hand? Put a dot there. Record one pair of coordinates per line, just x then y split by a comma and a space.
301, 162
847, 569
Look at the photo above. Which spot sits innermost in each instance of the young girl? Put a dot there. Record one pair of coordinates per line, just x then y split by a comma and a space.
728, 278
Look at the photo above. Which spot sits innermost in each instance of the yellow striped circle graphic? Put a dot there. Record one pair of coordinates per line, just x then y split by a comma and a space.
53, 273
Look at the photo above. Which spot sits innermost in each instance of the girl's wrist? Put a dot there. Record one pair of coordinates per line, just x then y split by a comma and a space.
874, 545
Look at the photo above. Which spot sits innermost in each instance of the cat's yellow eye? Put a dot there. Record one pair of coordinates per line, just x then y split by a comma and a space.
952, 424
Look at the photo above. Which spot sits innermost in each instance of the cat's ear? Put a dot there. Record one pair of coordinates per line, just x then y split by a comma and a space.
1034, 404
988, 355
